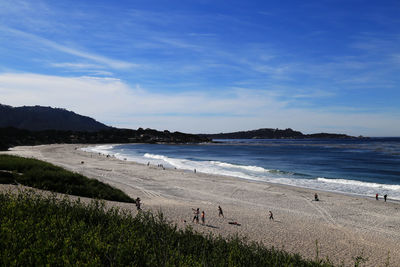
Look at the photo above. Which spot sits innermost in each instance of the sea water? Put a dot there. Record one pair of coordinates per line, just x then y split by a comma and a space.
355, 166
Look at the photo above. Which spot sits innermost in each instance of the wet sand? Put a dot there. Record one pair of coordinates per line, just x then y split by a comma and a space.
343, 226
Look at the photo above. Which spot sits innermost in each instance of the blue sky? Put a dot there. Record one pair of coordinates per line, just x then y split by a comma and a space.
208, 66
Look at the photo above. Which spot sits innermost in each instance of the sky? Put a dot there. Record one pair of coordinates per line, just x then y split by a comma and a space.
208, 66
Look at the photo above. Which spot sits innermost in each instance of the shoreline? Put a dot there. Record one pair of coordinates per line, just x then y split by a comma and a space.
352, 194
345, 226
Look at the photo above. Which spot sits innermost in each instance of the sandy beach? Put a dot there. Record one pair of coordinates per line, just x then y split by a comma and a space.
343, 226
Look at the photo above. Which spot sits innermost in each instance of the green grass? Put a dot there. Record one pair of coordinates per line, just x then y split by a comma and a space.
37, 231
43, 175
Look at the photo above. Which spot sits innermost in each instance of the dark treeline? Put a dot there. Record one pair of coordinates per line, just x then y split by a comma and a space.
269, 133
10, 137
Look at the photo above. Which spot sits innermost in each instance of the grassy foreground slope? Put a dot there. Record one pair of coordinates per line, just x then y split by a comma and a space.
43, 175
37, 231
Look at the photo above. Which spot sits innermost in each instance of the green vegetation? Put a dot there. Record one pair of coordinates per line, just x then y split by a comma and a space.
43, 175
37, 231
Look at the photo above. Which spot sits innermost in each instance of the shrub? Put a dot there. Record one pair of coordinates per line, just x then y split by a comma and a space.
43, 175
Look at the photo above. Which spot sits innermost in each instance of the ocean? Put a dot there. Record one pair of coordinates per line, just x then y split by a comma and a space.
353, 166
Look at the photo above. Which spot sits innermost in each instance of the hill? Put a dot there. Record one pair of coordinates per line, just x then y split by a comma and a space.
269, 133
38, 118
39, 125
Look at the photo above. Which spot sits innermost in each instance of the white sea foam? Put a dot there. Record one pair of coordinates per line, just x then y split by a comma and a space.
248, 168
152, 156
210, 167
103, 149
360, 184
188, 164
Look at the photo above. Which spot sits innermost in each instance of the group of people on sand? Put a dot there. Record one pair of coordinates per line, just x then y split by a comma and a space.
161, 166
384, 197
196, 213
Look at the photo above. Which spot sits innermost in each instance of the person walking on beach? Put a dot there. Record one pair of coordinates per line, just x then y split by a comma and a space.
385, 197
220, 212
203, 217
196, 215
377, 196
271, 216
137, 202
316, 197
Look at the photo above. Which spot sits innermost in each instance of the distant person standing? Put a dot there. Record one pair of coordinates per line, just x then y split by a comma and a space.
196, 215
203, 217
377, 196
271, 216
316, 197
385, 197
220, 212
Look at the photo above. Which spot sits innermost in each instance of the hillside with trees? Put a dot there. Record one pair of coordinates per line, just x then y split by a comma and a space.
45, 125
38, 118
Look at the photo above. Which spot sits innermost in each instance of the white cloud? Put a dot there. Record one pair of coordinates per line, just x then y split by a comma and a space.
114, 102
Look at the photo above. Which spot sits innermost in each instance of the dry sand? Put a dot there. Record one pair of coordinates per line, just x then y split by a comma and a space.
344, 226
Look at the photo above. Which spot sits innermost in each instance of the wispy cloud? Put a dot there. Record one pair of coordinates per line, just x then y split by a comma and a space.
177, 43
76, 65
92, 69
115, 64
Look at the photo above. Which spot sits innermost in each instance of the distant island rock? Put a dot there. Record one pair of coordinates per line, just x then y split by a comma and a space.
269, 133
